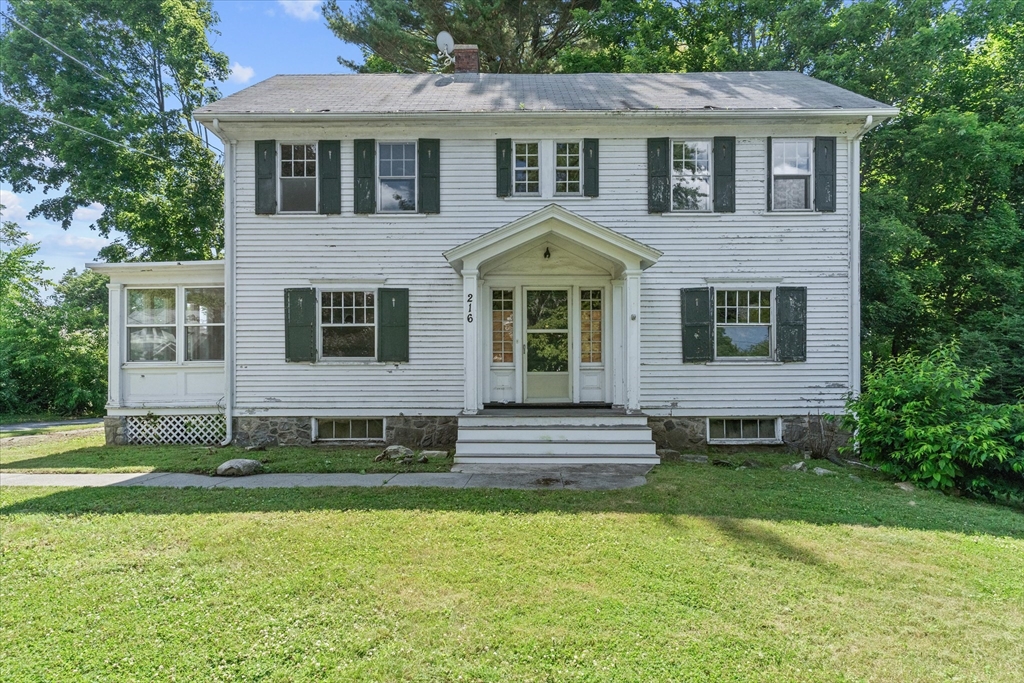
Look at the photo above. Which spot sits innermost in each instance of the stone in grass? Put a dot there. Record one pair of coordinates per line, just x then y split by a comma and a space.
423, 459
906, 486
433, 454
822, 472
795, 467
854, 477
668, 454
395, 453
692, 457
722, 463
239, 467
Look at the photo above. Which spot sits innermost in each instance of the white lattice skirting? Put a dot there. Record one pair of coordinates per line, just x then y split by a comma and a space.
174, 429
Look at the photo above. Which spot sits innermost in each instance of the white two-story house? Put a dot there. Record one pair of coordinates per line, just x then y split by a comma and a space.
555, 268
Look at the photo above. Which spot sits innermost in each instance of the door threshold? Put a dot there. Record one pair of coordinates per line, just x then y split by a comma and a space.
539, 406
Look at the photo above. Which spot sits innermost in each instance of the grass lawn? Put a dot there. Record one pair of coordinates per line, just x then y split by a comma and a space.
71, 453
704, 574
16, 418
49, 430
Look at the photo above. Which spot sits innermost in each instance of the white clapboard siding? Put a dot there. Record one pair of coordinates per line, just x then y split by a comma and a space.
278, 252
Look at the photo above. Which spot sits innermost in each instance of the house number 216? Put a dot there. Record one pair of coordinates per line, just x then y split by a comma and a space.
469, 308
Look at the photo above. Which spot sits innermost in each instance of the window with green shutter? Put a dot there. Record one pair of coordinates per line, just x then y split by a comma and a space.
393, 340
591, 167
503, 157
791, 321
725, 174
329, 153
266, 176
659, 195
697, 323
300, 311
429, 175
824, 174
365, 153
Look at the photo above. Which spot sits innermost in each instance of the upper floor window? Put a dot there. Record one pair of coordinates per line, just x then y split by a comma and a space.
743, 323
791, 174
691, 175
527, 168
298, 178
396, 175
567, 168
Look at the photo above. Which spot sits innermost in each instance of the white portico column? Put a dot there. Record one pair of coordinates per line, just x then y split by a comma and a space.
471, 342
632, 331
115, 335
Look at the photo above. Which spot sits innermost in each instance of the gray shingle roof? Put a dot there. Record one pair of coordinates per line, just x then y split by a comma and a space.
341, 94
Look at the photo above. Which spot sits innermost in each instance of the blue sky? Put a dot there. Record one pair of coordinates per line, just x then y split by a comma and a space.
261, 38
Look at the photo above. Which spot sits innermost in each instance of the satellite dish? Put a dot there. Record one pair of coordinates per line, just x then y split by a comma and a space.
445, 42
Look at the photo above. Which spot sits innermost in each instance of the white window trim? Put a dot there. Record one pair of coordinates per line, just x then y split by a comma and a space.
353, 360
810, 177
179, 329
555, 169
415, 177
540, 169
741, 442
770, 359
711, 174
316, 209
316, 429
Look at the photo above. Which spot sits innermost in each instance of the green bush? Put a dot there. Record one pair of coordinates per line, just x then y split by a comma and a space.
919, 419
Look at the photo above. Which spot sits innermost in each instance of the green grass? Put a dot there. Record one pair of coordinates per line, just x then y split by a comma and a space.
704, 574
71, 453
49, 430
17, 418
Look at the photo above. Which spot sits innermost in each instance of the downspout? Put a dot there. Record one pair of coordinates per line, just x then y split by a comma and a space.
855, 360
229, 281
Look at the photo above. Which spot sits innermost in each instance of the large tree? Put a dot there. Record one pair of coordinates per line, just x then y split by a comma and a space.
97, 107
514, 36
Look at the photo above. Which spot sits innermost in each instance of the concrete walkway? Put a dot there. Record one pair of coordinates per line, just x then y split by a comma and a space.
28, 426
541, 478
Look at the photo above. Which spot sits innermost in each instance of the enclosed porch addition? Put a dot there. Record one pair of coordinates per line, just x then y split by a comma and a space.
552, 343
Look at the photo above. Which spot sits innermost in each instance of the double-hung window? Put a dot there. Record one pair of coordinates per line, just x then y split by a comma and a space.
691, 175
348, 324
396, 174
791, 174
298, 185
568, 168
743, 323
204, 323
152, 325
155, 322
526, 169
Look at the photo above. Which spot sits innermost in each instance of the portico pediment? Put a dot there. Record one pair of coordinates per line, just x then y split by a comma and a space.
589, 245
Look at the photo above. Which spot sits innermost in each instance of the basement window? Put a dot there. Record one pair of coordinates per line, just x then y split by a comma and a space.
743, 430
350, 429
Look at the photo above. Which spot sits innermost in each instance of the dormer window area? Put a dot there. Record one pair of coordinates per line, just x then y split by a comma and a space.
298, 186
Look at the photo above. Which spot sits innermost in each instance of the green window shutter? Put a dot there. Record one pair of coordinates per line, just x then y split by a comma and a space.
429, 182
697, 325
300, 325
824, 174
725, 175
591, 164
329, 160
365, 176
769, 183
266, 176
659, 190
393, 323
503, 151
791, 323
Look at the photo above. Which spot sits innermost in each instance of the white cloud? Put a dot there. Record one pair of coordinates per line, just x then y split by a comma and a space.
68, 241
241, 74
89, 213
303, 10
14, 210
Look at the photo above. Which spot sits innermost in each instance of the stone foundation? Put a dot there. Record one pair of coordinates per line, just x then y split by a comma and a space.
113, 429
689, 435
414, 432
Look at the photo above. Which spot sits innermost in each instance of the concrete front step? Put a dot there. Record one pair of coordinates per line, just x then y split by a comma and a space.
549, 460
569, 448
567, 421
621, 434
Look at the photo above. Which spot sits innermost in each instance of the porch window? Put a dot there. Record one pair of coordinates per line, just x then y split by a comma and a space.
502, 326
567, 168
152, 325
527, 168
791, 174
204, 324
348, 324
691, 175
298, 178
590, 325
743, 323
747, 429
397, 177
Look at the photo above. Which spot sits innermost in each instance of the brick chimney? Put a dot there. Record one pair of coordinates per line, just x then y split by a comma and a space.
467, 59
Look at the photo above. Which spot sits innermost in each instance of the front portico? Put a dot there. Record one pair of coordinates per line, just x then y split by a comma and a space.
552, 313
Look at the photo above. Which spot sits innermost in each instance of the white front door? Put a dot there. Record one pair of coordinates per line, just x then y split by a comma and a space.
548, 344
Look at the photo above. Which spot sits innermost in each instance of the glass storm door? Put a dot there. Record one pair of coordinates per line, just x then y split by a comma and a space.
547, 346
